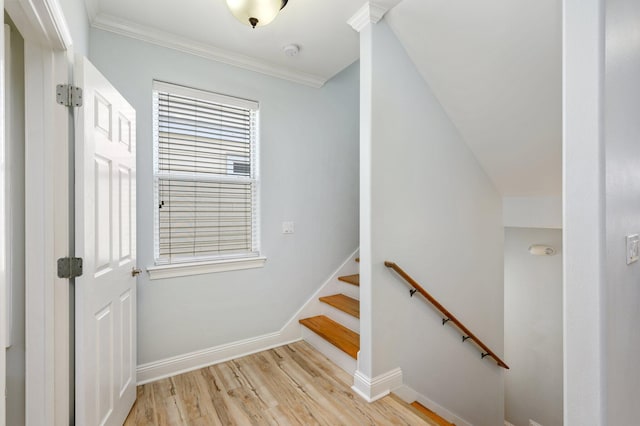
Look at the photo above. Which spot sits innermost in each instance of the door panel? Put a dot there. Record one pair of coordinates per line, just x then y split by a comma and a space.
105, 238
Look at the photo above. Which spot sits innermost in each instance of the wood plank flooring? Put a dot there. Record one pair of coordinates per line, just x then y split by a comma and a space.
289, 385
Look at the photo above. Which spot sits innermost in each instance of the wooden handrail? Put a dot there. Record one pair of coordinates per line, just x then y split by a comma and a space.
467, 334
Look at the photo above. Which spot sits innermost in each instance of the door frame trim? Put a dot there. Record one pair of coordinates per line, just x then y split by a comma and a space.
47, 331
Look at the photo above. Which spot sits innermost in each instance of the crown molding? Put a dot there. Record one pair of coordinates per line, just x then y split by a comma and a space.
203, 50
91, 7
369, 13
41, 22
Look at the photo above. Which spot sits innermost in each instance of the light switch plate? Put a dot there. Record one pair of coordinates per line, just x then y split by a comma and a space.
633, 248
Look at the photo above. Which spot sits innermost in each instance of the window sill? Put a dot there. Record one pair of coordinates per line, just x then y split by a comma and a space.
186, 269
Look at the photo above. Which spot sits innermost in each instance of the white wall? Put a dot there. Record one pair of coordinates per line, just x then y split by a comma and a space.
532, 212
15, 232
622, 152
602, 206
309, 165
533, 327
431, 208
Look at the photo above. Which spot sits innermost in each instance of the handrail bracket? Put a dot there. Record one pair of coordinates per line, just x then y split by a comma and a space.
447, 316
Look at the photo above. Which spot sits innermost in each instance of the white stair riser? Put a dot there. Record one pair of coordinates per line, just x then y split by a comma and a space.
338, 357
348, 290
343, 318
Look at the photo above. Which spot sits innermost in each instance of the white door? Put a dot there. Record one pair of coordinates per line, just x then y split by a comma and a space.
105, 239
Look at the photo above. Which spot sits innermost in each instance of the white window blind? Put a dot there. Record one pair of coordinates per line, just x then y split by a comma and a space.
206, 175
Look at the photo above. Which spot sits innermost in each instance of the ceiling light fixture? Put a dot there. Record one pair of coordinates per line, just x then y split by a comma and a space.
256, 13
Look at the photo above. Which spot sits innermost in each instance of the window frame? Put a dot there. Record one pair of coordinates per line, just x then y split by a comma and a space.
167, 268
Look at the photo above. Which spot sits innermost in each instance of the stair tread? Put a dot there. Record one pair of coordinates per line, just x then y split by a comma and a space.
351, 279
339, 336
345, 303
430, 414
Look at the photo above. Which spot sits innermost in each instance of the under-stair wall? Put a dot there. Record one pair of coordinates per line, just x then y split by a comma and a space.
426, 204
313, 131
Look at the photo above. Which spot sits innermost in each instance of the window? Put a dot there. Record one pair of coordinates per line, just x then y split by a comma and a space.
205, 175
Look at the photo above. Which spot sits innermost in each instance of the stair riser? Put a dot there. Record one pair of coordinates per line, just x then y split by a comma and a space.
340, 358
352, 323
347, 290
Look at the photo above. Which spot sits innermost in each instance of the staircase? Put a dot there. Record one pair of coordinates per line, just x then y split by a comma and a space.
335, 332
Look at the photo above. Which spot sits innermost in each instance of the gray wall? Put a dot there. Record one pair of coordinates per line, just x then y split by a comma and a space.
75, 14
533, 328
434, 211
622, 182
309, 165
16, 209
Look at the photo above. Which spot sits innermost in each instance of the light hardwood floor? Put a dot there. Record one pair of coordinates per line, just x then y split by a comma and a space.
289, 385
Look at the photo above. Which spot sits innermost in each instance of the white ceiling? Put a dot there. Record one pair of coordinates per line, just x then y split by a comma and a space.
495, 65
328, 44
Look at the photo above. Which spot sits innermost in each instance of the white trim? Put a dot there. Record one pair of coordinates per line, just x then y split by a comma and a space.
197, 268
46, 35
372, 389
313, 306
290, 332
39, 273
506, 423
369, 13
6, 207
40, 21
409, 395
168, 367
46, 238
172, 41
3, 263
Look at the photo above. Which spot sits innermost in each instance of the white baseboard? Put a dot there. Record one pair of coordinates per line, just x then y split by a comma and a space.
372, 389
290, 332
168, 367
409, 395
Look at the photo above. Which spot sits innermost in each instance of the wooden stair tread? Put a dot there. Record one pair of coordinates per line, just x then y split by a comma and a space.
430, 415
345, 303
351, 279
339, 336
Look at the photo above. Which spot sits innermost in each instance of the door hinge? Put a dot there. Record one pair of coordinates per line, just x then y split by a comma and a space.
69, 267
69, 95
